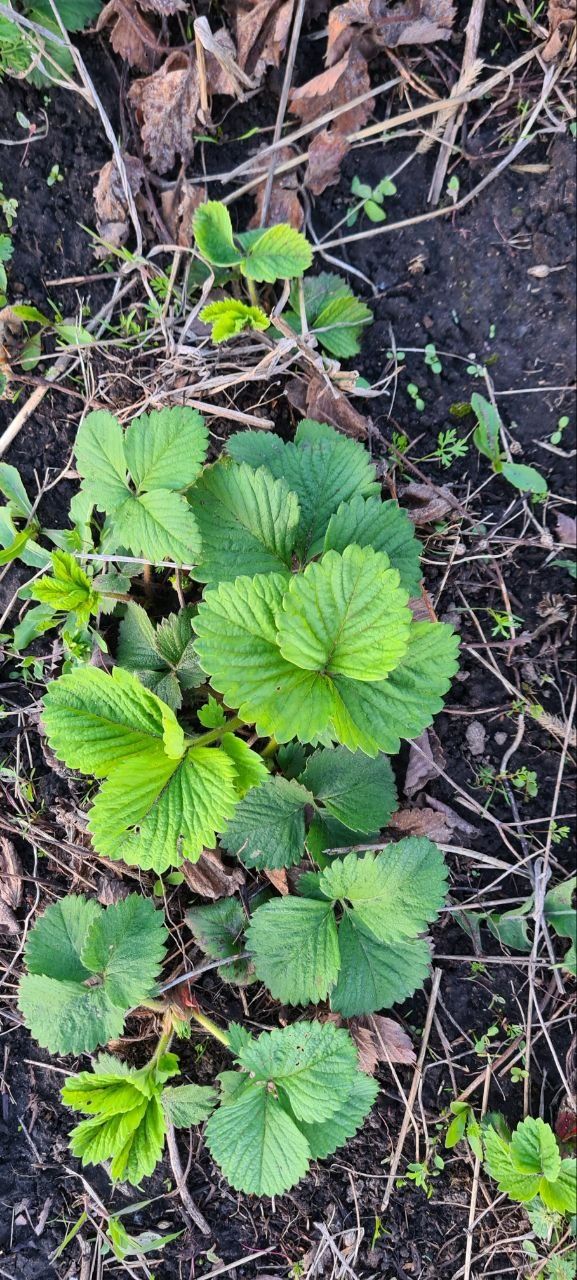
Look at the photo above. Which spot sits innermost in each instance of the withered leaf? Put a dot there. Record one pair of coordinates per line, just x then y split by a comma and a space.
284, 204
164, 7
424, 764
279, 879
425, 503
380, 1039
131, 36
110, 204
261, 30
566, 530
314, 399
210, 878
561, 15
8, 921
110, 889
421, 822
166, 106
178, 204
326, 153
346, 79
10, 874
413, 22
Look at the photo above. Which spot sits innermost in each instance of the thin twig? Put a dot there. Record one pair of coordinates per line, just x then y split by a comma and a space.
437, 975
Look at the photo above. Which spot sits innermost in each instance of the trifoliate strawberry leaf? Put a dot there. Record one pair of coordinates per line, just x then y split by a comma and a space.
345, 615
268, 827
256, 1144
162, 657
218, 929
101, 460
154, 812
230, 316
395, 893
532, 1144
96, 722
375, 717
158, 525
188, 1104
165, 449
326, 1137
279, 253
247, 521
295, 951
68, 588
213, 235
312, 1064
333, 313
323, 470
368, 522
86, 967
359, 792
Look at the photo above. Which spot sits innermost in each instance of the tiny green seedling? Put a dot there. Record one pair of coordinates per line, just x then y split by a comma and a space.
8, 208
504, 624
370, 200
415, 394
431, 358
562, 425
54, 176
487, 439
450, 446
464, 1125
453, 188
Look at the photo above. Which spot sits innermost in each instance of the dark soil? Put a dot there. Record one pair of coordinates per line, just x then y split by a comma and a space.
471, 295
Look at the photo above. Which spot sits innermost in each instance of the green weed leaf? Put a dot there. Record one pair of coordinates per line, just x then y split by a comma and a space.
525, 478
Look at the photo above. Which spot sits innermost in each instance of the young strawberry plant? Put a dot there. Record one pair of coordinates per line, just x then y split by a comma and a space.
529, 1167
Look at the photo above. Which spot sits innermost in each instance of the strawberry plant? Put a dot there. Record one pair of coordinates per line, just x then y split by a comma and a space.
529, 1168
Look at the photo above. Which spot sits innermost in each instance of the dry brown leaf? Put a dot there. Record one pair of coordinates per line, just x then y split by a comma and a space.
222, 70
326, 154
8, 921
423, 768
425, 504
261, 30
414, 22
346, 79
210, 878
279, 880
164, 7
421, 822
10, 874
112, 221
561, 15
380, 1039
314, 399
166, 106
421, 607
284, 204
178, 205
131, 36
566, 530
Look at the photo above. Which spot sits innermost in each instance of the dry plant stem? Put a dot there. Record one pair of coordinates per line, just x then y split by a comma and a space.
475, 1187
282, 106
188, 1204
437, 975
452, 127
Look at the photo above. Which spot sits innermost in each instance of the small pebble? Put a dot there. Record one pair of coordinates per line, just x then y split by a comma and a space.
500, 738
475, 735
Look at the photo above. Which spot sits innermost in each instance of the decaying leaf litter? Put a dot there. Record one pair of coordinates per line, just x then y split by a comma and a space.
340, 1231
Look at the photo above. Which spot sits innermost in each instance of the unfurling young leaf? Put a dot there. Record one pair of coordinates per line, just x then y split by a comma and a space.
162, 452
68, 589
231, 316
375, 956
298, 1096
87, 966
529, 1165
162, 657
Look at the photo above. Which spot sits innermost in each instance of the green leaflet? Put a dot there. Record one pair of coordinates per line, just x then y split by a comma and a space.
277, 253
323, 469
560, 914
218, 929
325, 1137
268, 828
68, 588
163, 451
87, 967
359, 792
383, 525
333, 313
231, 316
247, 521
188, 1104
213, 234
375, 956
162, 800
300, 1077
162, 657
530, 1165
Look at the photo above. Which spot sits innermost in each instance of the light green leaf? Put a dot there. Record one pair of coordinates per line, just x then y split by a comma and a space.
333, 313
15, 548
250, 767
368, 522
211, 715
358, 791
13, 489
312, 1064
268, 827
280, 253
162, 657
256, 1144
519, 1186
525, 478
534, 1149
231, 316
325, 1138
213, 234
304, 967
188, 1104
158, 525
101, 461
487, 434
165, 449
559, 913
133, 1140
561, 1194
247, 522
396, 893
345, 615
67, 588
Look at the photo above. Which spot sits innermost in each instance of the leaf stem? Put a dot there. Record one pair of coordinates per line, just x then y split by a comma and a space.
165, 1040
214, 734
270, 749
210, 1026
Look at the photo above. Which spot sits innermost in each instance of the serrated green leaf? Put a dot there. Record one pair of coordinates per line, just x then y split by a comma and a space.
312, 1064
279, 253
67, 588
125, 944
396, 893
165, 449
525, 478
101, 461
329, 303
158, 525
213, 234
212, 714
325, 1138
250, 768
162, 657
359, 792
218, 927
258, 449
74, 14
534, 1149
268, 827
345, 615
133, 1141
256, 1144
188, 1104
96, 722
561, 1194
230, 316
373, 975
247, 520
368, 522
304, 967
519, 1186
